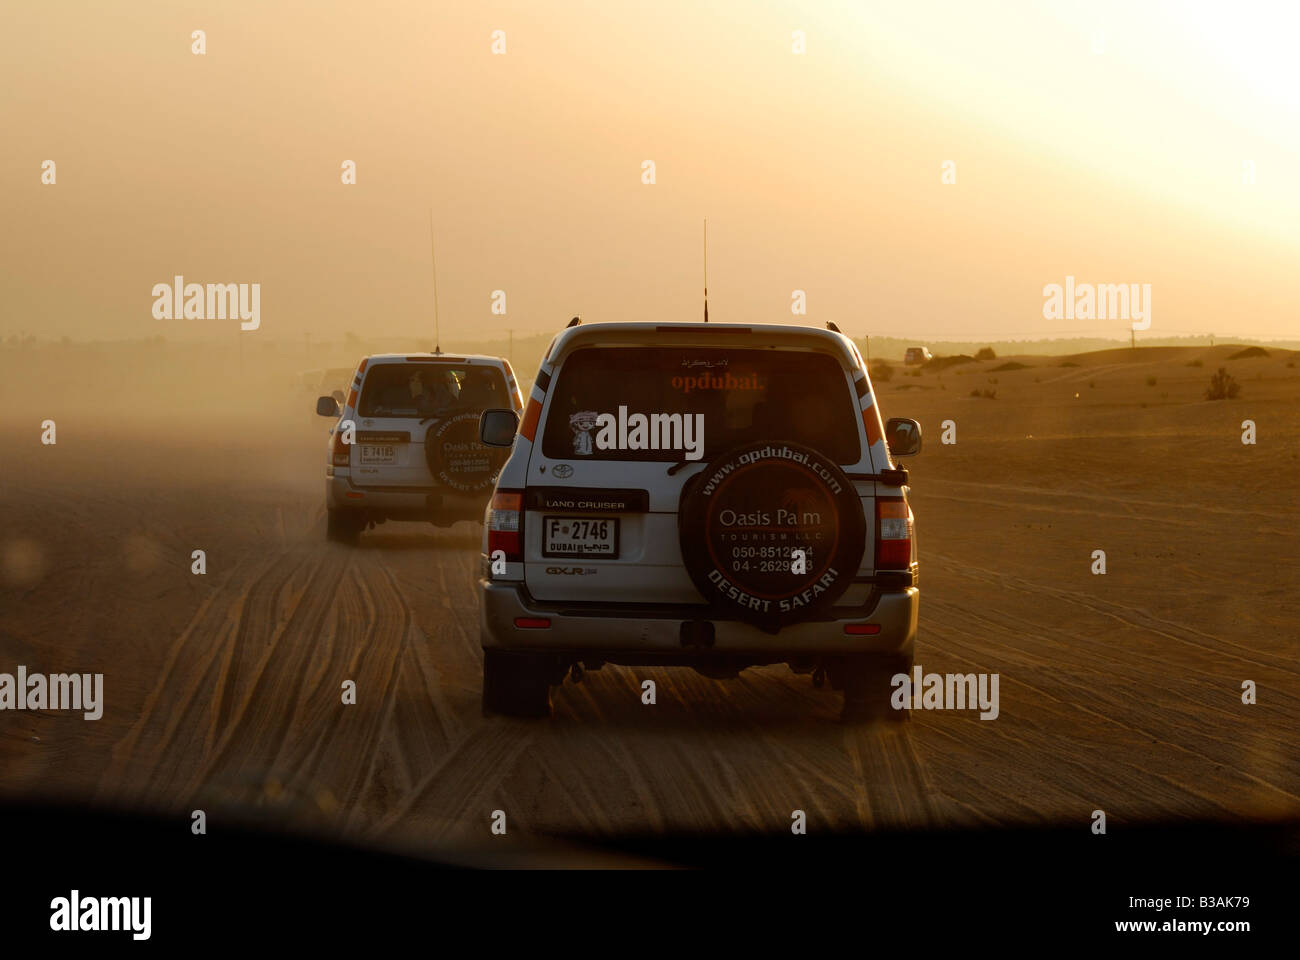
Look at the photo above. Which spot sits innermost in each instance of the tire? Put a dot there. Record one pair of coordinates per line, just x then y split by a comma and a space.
740, 519
457, 460
343, 526
516, 684
866, 682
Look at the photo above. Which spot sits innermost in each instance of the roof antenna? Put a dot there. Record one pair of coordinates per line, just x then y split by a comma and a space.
706, 269
433, 253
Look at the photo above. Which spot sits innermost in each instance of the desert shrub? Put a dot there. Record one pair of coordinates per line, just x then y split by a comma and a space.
1222, 386
1249, 353
1092, 384
1068, 363
1151, 381
985, 353
1010, 365
943, 363
914, 373
1195, 363
985, 394
881, 371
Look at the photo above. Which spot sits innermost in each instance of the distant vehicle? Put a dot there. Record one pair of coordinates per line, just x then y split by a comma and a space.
406, 444
334, 383
660, 483
917, 355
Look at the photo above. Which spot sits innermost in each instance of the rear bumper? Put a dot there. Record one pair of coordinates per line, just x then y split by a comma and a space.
632, 634
403, 503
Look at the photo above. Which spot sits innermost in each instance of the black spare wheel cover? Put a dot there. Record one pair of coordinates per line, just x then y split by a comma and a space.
457, 458
742, 516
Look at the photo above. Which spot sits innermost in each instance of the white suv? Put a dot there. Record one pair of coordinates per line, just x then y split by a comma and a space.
699, 494
406, 445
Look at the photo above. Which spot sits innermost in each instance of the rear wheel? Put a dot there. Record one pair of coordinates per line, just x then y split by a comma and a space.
343, 526
866, 680
516, 684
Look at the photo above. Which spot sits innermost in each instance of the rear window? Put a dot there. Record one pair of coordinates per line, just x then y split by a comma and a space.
430, 389
743, 396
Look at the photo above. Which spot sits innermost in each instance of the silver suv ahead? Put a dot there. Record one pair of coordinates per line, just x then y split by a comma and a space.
708, 495
406, 444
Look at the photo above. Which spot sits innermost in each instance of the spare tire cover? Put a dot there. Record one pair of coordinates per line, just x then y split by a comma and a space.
457, 458
741, 518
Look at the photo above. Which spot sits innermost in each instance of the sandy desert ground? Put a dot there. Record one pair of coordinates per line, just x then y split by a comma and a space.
1119, 692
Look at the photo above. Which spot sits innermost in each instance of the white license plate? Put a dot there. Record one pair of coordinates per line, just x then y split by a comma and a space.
579, 537
378, 453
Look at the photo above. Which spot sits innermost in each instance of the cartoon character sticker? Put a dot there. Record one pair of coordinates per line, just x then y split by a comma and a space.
582, 423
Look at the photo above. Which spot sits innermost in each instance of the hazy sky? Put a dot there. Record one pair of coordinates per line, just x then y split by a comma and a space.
820, 172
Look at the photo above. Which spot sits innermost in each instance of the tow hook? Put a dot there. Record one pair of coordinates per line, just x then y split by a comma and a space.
697, 633
576, 673
819, 677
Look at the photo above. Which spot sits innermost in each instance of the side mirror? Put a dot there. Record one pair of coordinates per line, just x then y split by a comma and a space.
497, 427
903, 437
327, 407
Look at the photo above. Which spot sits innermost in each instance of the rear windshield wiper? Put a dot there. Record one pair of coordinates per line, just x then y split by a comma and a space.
442, 412
680, 464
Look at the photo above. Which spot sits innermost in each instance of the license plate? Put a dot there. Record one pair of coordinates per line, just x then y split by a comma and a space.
378, 453
579, 537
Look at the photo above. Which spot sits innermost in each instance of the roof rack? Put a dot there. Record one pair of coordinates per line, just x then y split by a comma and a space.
830, 325
572, 323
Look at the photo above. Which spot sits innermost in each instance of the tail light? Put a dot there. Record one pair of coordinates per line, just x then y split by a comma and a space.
893, 534
341, 456
512, 387
505, 525
532, 413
